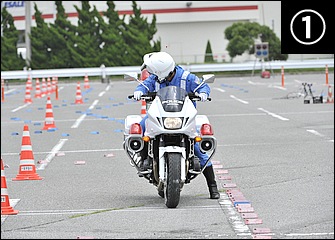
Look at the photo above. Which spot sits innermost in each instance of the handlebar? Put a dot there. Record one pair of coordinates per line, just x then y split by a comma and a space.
150, 96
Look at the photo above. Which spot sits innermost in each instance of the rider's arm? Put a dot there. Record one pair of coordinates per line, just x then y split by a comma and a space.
195, 81
149, 82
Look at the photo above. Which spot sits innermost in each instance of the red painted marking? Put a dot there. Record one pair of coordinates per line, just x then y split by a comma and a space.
261, 237
229, 185
249, 215
221, 171
242, 205
233, 191
261, 230
253, 221
245, 210
60, 154
225, 177
216, 166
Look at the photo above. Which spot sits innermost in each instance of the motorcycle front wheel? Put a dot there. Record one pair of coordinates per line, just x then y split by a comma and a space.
173, 186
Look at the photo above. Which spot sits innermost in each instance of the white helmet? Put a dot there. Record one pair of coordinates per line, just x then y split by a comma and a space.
160, 64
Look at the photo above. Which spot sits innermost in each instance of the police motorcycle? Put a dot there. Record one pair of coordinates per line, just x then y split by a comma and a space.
164, 153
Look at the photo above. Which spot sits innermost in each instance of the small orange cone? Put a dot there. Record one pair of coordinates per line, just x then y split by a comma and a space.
49, 116
49, 87
79, 98
2, 90
27, 170
44, 87
38, 93
6, 209
86, 83
27, 98
29, 83
330, 98
143, 109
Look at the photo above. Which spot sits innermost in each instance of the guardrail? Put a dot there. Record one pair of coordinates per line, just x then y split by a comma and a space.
218, 67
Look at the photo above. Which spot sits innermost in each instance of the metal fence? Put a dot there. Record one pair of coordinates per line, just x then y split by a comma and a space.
217, 67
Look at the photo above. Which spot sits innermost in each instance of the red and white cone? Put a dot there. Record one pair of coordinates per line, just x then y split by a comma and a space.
79, 97
330, 98
27, 169
27, 98
49, 116
86, 82
44, 87
49, 88
143, 109
6, 208
38, 93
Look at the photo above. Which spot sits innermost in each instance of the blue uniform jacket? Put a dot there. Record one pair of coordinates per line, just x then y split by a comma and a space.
192, 81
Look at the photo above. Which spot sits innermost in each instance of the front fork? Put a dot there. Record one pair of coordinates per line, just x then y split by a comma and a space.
162, 163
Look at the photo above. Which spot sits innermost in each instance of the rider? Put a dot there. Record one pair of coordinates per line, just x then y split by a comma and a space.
164, 72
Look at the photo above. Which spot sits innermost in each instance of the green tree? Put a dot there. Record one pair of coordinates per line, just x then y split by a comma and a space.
41, 39
113, 43
62, 44
209, 53
88, 36
10, 60
242, 36
138, 36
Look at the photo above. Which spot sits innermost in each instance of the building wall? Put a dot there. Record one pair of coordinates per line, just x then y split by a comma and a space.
184, 27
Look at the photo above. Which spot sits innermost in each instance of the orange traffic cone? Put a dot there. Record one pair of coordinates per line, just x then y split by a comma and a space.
27, 98
79, 98
27, 170
29, 83
86, 83
38, 89
49, 87
6, 209
143, 109
44, 87
330, 98
49, 116
2, 90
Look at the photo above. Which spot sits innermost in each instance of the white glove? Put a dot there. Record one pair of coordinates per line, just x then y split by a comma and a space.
137, 95
203, 96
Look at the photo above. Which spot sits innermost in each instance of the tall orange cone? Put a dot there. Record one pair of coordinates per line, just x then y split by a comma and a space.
330, 98
143, 109
38, 93
6, 209
44, 87
2, 90
49, 87
27, 98
27, 169
49, 116
29, 83
86, 82
79, 98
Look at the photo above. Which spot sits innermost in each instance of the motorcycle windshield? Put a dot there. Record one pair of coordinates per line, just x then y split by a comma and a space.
172, 98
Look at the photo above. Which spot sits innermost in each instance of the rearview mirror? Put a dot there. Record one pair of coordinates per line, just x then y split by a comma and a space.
130, 76
208, 78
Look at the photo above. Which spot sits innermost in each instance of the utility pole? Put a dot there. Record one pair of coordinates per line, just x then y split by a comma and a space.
27, 31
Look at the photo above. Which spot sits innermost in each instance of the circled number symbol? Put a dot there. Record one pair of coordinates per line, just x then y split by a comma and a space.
307, 20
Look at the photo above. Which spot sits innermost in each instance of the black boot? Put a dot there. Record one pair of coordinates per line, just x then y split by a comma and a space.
211, 183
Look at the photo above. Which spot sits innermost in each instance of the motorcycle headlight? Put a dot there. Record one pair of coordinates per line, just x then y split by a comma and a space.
172, 123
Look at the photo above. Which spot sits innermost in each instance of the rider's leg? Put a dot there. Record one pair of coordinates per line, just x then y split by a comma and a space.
144, 151
208, 172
